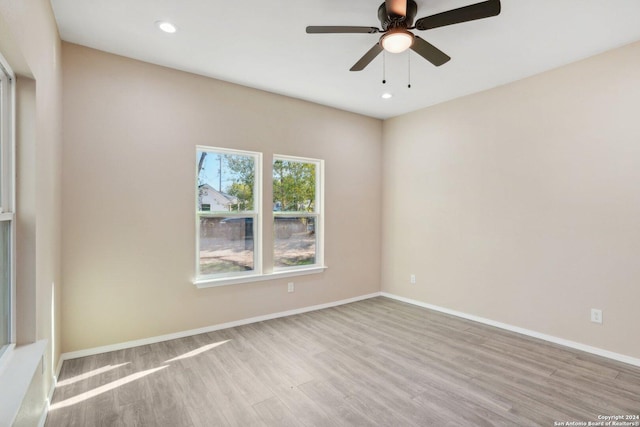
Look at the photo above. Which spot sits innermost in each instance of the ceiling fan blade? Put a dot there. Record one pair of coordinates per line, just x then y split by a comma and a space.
367, 58
472, 12
396, 7
429, 51
340, 29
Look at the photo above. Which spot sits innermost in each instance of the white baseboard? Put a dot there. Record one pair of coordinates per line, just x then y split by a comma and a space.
45, 412
58, 369
161, 338
561, 341
54, 382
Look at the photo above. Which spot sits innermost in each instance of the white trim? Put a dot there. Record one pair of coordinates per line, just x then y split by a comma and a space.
232, 151
4, 356
258, 241
52, 389
212, 283
43, 416
7, 138
58, 370
294, 214
561, 341
318, 211
47, 404
161, 338
320, 187
17, 375
298, 159
256, 214
7, 200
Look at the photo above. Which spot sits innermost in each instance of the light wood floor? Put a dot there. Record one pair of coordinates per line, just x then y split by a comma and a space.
374, 362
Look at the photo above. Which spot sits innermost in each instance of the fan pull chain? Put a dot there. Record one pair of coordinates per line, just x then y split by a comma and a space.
409, 68
384, 67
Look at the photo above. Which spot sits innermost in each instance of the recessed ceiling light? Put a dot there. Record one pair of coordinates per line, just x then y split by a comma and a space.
165, 26
386, 95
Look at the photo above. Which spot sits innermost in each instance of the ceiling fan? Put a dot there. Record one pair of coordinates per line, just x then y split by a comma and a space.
396, 17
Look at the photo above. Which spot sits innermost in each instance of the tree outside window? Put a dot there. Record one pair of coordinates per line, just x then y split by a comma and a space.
296, 212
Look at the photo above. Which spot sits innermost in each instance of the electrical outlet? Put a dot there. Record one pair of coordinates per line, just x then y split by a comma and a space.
596, 315
412, 279
290, 287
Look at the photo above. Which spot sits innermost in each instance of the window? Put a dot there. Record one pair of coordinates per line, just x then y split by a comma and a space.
228, 210
6, 207
296, 212
229, 205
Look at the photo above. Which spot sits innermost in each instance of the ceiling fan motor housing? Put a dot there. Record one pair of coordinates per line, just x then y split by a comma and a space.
391, 21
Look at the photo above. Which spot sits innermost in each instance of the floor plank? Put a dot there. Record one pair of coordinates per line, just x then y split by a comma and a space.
377, 362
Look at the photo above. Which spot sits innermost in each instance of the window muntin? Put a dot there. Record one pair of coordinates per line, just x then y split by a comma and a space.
6, 208
228, 207
296, 212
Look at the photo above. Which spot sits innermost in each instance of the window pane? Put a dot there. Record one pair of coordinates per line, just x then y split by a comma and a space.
295, 241
294, 186
226, 245
5, 283
225, 182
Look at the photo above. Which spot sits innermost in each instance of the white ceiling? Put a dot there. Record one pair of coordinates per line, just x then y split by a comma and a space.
263, 44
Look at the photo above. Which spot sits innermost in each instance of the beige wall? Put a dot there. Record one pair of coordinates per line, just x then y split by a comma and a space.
30, 37
128, 188
521, 204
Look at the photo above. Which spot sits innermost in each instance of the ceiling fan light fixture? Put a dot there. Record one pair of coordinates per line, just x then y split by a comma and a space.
397, 41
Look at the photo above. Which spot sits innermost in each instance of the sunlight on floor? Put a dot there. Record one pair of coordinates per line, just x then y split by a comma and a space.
115, 384
197, 351
89, 374
103, 389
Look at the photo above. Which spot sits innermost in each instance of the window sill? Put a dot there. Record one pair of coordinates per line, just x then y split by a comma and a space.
15, 377
211, 283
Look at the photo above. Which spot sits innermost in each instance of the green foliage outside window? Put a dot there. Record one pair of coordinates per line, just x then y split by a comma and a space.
294, 186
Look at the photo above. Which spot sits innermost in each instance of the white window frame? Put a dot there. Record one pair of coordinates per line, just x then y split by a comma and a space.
7, 192
255, 214
317, 214
261, 271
